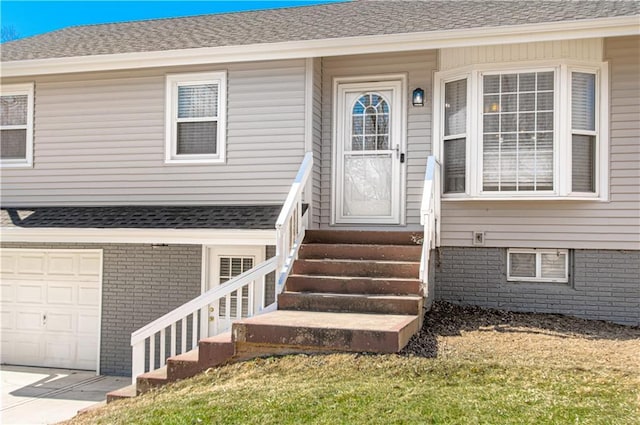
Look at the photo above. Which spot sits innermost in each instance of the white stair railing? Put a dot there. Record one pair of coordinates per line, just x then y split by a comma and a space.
180, 330
289, 226
429, 218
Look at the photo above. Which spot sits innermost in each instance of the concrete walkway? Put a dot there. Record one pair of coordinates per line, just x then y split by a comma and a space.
35, 395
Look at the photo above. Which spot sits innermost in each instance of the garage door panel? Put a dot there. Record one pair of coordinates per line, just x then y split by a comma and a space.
34, 264
28, 321
60, 322
86, 355
87, 323
88, 295
9, 264
60, 293
62, 265
26, 347
50, 308
89, 265
30, 293
8, 320
58, 351
7, 291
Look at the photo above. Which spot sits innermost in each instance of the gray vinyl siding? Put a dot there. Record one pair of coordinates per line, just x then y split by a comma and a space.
317, 141
99, 139
419, 67
572, 224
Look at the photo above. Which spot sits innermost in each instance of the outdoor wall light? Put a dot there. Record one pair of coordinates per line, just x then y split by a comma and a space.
418, 97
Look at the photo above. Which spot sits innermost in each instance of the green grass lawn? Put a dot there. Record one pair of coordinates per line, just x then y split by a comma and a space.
488, 370
383, 390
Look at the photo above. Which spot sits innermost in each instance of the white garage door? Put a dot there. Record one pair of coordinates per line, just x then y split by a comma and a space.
50, 307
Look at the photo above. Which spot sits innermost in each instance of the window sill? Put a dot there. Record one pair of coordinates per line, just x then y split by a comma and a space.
447, 198
199, 161
22, 164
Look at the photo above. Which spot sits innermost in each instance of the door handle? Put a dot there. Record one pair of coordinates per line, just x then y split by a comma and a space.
44, 319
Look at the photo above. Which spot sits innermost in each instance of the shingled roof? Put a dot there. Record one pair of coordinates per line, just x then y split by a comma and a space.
328, 21
143, 217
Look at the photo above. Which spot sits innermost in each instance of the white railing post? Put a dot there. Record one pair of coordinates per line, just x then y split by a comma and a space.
429, 217
137, 360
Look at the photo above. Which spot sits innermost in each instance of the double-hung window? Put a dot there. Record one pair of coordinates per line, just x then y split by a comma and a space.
523, 132
16, 125
196, 117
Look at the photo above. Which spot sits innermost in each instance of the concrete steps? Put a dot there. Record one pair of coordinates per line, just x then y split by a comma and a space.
351, 303
353, 285
319, 331
355, 291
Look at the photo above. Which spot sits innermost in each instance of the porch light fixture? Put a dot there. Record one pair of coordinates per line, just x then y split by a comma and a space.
418, 97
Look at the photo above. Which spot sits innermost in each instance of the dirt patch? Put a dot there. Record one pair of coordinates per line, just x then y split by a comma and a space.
525, 338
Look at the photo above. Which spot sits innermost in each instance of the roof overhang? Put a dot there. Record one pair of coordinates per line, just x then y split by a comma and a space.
149, 236
588, 28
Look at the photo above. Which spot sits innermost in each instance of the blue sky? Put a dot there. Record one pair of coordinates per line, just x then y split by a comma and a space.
35, 17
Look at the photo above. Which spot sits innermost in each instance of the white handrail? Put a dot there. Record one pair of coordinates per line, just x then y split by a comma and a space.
429, 218
289, 226
195, 313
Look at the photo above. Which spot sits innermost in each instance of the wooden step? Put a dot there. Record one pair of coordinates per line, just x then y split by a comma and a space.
122, 393
360, 252
362, 237
306, 330
351, 303
354, 285
399, 269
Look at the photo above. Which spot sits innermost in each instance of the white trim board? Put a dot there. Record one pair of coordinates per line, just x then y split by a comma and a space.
154, 236
587, 28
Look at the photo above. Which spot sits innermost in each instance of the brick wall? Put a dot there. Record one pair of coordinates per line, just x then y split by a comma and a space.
604, 284
140, 284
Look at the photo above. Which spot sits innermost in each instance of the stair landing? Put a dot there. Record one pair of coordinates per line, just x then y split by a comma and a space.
355, 332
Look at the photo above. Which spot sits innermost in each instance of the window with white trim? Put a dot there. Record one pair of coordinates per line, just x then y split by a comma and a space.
196, 118
538, 265
16, 125
523, 132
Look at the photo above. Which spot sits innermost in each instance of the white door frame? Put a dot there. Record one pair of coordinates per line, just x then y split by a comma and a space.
211, 272
372, 82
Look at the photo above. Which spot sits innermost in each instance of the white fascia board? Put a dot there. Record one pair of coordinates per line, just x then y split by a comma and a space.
588, 28
152, 236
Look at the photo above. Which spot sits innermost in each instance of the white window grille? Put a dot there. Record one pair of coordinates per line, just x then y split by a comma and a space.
524, 132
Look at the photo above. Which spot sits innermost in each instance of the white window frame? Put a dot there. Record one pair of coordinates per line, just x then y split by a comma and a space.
538, 253
562, 165
173, 81
21, 90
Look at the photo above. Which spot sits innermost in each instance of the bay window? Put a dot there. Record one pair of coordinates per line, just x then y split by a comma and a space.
522, 133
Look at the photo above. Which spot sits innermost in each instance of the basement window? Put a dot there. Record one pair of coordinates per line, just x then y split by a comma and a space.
538, 265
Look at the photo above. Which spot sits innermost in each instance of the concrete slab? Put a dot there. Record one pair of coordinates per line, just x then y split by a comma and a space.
34, 395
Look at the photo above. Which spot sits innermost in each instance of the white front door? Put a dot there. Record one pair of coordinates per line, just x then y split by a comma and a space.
50, 307
224, 263
369, 146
